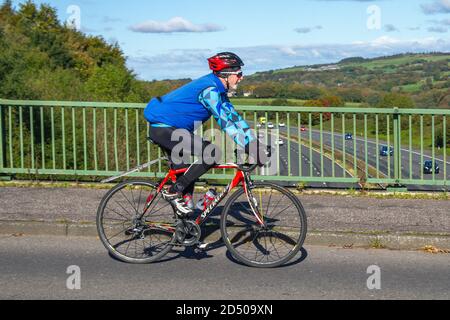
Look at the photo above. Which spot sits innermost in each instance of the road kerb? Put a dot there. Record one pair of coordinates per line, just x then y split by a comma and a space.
398, 241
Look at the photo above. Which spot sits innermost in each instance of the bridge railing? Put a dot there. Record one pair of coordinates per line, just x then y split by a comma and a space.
365, 146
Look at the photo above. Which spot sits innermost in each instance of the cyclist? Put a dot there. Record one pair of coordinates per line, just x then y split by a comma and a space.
194, 103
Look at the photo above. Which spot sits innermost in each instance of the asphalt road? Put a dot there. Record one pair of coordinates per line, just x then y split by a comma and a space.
411, 158
302, 164
307, 164
36, 268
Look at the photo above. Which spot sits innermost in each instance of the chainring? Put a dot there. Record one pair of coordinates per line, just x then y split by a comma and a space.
187, 233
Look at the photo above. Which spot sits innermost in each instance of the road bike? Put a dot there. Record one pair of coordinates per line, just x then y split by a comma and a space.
262, 224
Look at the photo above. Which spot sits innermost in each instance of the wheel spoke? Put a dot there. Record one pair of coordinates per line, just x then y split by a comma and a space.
129, 200
123, 208
130, 239
139, 200
115, 235
127, 218
277, 214
269, 244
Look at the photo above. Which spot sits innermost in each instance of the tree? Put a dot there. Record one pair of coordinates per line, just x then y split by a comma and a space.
109, 83
392, 100
298, 91
265, 90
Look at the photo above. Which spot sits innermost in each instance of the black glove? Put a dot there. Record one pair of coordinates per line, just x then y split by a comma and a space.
258, 152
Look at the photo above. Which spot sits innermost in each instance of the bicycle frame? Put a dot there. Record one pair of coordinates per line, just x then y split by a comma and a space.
240, 178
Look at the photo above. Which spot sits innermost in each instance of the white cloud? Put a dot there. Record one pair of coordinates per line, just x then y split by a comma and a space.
390, 28
437, 6
307, 29
176, 24
437, 29
288, 50
444, 22
382, 41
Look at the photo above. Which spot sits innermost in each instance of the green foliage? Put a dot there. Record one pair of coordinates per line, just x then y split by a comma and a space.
109, 83
392, 100
42, 59
266, 90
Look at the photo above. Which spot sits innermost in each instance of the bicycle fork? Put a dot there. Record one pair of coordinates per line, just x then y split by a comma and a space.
248, 183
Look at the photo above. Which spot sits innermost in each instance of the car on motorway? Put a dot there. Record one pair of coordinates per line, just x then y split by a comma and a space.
303, 128
282, 125
348, 136
279, 142
384, 151
270, 125
428, 167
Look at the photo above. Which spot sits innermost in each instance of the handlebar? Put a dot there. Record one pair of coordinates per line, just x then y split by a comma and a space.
247, 167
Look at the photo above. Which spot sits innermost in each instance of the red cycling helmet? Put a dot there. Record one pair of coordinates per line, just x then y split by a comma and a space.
225, 61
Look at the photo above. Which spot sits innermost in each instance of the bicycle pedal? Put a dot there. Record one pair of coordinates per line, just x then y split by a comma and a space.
203, 246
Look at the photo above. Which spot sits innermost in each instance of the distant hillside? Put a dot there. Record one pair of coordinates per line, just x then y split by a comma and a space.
423, 77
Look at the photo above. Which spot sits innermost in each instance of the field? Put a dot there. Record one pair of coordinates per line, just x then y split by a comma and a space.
296, 102
387, 65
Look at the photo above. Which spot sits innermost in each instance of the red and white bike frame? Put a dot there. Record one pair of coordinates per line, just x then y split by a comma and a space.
241, 177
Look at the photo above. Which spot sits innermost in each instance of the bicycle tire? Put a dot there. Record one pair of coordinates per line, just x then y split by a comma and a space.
258, 264
101, 228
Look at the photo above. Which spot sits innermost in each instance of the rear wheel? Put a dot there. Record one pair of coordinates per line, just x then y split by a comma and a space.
275, 242
135, 223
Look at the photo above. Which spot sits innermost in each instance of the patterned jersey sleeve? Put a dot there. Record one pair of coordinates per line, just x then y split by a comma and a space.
226, 116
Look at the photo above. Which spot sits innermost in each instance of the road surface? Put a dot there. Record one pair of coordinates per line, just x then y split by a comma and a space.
36, 268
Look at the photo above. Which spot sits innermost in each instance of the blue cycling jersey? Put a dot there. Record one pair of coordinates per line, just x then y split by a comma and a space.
196, 102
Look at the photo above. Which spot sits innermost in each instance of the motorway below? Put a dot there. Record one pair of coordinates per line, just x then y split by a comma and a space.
34, 267
384, 165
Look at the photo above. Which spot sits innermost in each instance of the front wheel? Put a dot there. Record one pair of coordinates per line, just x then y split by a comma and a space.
265, 245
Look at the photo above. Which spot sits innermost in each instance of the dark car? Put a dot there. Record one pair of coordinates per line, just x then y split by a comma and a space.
428, 167
348, 136
384, 151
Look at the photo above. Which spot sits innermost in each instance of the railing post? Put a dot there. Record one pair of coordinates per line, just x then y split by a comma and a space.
2, 139
397, 150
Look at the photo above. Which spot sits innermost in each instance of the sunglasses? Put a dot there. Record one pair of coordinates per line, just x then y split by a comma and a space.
238, 74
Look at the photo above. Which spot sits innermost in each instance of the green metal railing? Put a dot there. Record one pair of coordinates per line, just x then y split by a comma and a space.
104, 139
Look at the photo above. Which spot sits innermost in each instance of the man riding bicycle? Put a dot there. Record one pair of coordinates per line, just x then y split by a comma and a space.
194, 103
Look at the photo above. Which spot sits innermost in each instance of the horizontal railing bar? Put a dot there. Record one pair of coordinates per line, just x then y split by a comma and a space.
76, 104
82, 104
226, 176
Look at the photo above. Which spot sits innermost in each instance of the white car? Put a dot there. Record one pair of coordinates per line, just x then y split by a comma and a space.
280, 142
270, 125
281, 125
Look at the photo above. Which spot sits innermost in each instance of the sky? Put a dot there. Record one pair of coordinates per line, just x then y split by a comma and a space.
171, 39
